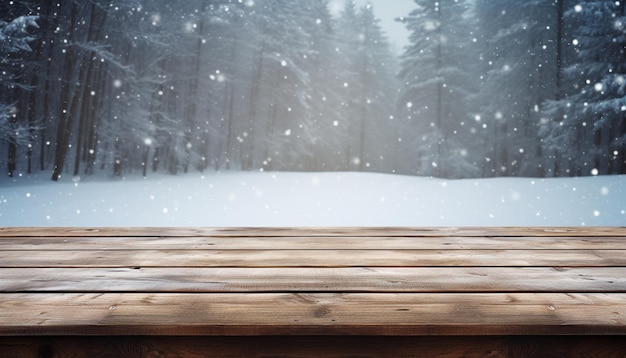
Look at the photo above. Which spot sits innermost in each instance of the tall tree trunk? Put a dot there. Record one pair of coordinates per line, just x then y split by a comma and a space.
440, 141
193, 91
83, 94
47, 23
231, 118
67, 93
247, 156
12, 161
560, 19
364, 104
84, 149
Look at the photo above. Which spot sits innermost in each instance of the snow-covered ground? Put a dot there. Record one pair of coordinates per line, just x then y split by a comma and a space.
312, 199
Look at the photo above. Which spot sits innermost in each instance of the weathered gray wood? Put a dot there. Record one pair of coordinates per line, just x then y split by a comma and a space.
326, 281
311, 258
301, 314
330, 231
362, 279
311, 243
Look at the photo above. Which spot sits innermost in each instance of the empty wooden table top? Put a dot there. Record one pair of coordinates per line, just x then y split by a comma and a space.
318, 281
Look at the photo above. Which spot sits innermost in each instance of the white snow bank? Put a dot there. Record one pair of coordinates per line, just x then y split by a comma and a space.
313, 199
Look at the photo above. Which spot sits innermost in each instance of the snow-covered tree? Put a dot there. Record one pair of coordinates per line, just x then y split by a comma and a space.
586, 130
375, 75
86, 49
325, 131
119, 86
434, 72
16, 36
523, 59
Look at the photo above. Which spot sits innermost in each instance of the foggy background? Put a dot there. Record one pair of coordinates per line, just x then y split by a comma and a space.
481, 89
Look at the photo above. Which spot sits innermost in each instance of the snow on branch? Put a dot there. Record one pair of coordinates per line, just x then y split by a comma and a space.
15, 132
101, 50
14, 35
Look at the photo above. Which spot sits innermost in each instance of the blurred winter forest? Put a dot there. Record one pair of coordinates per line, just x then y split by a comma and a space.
485, 88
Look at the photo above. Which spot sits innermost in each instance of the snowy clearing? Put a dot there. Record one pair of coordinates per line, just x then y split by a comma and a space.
312, 199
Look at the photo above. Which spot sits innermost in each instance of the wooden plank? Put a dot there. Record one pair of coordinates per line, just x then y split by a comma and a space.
311, 258
315, 347
317, 314
320, 281
311, 243
365, 279
317, 231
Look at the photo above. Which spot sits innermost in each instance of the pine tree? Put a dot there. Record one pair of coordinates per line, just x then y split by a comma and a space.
325, 131
16, 36
435, 86
588, 127
348, 42
523, 61
375, 70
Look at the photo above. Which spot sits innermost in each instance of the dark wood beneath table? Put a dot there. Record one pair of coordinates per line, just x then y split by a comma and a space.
314, 347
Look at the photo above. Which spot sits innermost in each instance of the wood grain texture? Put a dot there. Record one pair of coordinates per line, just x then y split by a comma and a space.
304, 314
302, 292
112, 243
311, 258
361, 279
315, 232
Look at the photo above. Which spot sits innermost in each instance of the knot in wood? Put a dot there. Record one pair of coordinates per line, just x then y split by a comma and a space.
321, 312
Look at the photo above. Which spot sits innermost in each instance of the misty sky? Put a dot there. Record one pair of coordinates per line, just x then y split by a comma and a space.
387, 11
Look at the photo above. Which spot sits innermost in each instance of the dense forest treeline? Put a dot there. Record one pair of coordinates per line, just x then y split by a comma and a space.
484, 88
